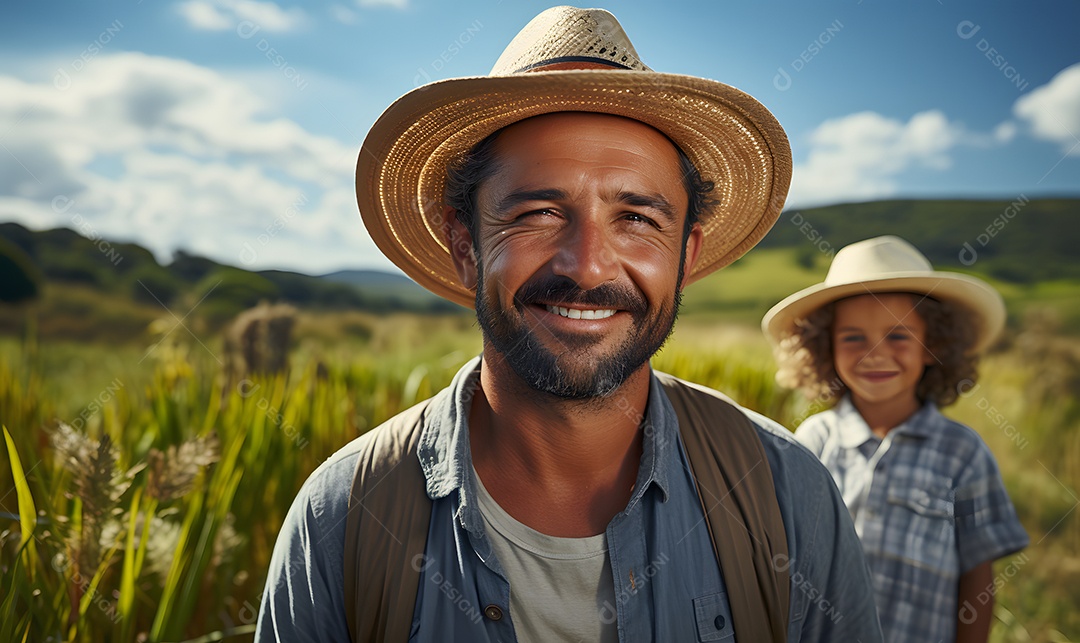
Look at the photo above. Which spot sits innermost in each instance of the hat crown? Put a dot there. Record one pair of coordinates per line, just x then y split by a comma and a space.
569, 35
876, 258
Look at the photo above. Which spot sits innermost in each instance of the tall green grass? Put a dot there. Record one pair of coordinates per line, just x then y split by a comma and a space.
153, 516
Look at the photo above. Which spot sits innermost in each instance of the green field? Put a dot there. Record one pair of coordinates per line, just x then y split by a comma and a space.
136, 524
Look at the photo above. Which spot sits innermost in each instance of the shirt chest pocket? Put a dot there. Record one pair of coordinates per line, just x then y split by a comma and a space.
713, 618
934, 502
919, 523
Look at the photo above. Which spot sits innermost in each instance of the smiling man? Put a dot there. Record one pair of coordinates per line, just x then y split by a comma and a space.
560, 489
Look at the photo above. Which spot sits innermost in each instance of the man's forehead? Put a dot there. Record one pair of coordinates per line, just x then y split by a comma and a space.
538, 147
585, 121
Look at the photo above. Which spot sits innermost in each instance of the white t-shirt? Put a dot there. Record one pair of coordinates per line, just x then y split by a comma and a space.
561, 589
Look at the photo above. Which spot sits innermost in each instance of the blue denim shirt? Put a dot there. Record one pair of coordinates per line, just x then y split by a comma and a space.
668, 586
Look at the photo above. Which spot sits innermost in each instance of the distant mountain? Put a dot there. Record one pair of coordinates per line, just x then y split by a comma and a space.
371, 278
390, 285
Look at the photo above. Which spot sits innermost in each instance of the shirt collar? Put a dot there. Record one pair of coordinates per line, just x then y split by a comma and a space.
446, 458
853, 431
660, 443
924, 423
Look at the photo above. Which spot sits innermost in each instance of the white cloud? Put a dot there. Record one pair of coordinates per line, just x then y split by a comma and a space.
1005, 132
219, 15
174, 155
342, 14
267, 15
858, 157
1053, 110
396, 4
201, 14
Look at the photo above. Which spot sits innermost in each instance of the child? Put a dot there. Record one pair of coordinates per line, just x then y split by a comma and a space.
893, 340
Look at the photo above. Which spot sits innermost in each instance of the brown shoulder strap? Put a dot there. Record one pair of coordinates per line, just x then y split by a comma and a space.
389, 512
736, 491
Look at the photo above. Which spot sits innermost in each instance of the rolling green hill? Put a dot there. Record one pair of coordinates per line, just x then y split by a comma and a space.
128, 270
1020, 241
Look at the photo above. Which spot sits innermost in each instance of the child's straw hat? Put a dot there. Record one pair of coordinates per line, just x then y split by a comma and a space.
887, 265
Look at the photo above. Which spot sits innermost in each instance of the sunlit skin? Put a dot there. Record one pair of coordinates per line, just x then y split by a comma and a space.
879, 352
596, 199
975, 626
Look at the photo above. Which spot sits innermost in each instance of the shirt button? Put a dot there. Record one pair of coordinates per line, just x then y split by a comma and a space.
720, 622
493, 612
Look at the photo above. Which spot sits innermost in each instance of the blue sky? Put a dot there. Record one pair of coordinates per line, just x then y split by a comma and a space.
230, 127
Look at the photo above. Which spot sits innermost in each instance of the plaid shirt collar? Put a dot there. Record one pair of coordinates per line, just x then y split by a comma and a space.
853, 431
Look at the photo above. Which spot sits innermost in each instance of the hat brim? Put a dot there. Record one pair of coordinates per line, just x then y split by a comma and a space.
730, 137
985, 305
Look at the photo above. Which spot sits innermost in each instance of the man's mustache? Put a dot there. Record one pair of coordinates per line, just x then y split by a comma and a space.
562, 290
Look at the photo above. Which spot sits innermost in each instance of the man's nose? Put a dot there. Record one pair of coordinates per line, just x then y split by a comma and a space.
587, 255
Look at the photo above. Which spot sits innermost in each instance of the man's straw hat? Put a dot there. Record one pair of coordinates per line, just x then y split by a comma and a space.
730, 137
887, 265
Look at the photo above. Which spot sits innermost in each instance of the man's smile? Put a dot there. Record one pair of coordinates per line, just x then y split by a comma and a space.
580, 313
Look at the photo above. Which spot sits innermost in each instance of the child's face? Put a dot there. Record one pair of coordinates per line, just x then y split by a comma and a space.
879, 349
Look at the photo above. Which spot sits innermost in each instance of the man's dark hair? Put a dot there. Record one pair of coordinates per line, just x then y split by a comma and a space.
464, 176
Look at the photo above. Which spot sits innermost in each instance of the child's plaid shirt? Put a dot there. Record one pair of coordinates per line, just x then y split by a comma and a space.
928, 503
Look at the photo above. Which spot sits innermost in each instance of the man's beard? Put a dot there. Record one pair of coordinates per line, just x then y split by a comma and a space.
559, 374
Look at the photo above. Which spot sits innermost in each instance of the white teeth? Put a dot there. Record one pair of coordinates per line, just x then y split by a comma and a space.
596, 314
575, 313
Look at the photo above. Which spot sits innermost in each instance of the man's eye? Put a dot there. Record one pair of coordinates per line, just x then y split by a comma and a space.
539, 213
636, 217
851, 339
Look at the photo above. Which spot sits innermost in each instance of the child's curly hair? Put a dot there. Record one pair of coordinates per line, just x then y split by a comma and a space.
805, 357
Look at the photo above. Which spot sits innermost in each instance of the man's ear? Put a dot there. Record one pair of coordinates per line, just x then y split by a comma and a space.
461, 248
694, 242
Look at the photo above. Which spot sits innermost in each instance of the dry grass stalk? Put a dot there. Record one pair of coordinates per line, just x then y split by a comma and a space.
173, 473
